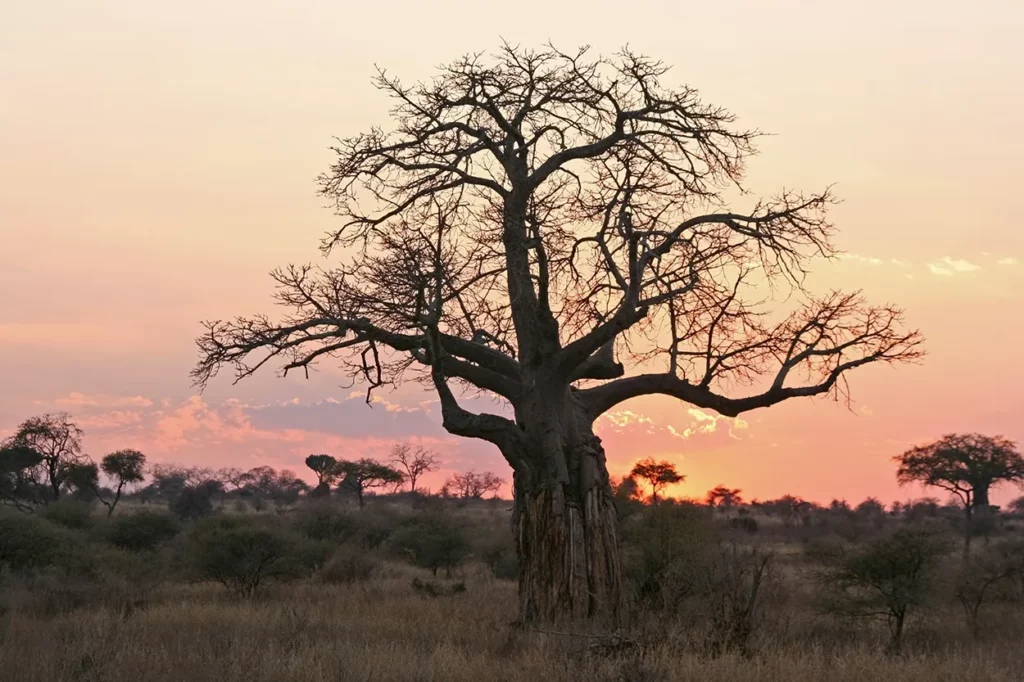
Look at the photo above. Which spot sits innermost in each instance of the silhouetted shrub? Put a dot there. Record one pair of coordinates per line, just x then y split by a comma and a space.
70, 513
143, 530
193, 502
432, 542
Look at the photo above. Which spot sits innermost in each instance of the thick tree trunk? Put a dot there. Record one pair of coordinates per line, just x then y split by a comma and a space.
567, 538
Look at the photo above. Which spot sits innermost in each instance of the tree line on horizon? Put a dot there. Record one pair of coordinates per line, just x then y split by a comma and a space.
43, 460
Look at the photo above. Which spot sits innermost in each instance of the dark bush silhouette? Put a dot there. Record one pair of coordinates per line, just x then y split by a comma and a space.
142, 530
57, 442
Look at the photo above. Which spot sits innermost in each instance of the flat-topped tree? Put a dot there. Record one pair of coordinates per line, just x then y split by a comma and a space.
527, 216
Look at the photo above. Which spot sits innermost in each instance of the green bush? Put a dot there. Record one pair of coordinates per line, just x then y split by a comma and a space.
29, 544
499, 554
348, 564
243, 553
325, 520
143, 530
70, 513
432, 542
193, 502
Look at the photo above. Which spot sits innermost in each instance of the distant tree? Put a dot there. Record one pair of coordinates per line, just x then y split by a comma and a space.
473, 485
657, 475
967, 465
721, 496
125, 468
325, 467
871, 506
82, 481
414, 462
789, 508
884, 579
363, 474
20, 486
58, 441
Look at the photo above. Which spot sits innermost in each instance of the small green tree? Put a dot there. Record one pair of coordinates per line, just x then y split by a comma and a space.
363, 474
125, 469
242, 555
657, 475
143, 530
885, 579
432, 542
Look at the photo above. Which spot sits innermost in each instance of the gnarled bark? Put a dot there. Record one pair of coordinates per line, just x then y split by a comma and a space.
567, 540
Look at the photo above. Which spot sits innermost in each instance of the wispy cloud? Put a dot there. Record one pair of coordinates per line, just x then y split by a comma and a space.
947, 267
867, 260
1007, 261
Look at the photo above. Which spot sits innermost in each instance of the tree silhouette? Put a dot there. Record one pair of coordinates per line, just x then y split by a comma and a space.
58, 441
967, 465
528, 216
125, 468
325, 467
414, 461
657, 475
473, 485
363, 474
720, 496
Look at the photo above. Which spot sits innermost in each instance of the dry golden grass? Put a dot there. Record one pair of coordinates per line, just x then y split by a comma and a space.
383, 630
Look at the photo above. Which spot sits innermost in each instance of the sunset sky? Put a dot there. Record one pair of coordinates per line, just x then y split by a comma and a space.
158, 159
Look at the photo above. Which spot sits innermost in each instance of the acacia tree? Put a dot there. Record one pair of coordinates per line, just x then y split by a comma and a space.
967, 465
657, 474
471, 484
58, 442
720, 496
360, 475
531, 219
414, 461
325, 468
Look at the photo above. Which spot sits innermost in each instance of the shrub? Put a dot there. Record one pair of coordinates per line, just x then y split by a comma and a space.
242, 555
193, 502
348, 564
664, 548
884, 579
28, 544
143, 530
432, 589
70, 513
499, 554
432, 542
745, 524
323, 520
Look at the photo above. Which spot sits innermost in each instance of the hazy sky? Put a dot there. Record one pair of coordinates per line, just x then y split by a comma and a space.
157, 160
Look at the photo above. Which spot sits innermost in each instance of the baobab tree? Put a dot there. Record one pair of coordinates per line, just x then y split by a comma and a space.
967, 465
533, 223
657, 474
